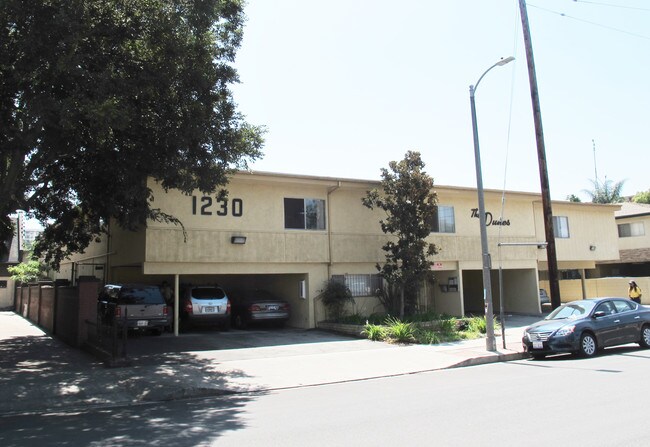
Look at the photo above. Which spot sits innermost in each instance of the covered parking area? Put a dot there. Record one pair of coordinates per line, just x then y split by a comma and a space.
289, 286
519, 288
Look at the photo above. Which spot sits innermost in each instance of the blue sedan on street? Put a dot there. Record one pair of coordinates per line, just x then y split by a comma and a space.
586, 326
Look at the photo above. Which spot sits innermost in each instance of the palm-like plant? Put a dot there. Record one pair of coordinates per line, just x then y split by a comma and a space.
606, 192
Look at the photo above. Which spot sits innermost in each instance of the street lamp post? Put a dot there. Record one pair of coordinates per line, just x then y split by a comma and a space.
490, 341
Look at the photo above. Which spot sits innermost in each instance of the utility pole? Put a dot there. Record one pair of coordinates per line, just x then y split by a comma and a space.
551, 254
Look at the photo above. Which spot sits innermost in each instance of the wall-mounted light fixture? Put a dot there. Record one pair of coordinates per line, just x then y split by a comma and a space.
238, 240
592, 248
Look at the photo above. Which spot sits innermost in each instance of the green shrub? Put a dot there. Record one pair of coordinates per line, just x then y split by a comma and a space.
374, 332
424, 316
477, 324
377, 318
26, 272
427, 337
352, 319
449, 325
400, 331
335, 296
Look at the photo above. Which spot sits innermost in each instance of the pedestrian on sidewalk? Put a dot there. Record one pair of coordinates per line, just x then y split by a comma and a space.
634, 292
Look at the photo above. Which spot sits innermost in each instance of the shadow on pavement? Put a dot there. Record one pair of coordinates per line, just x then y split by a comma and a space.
40, 373
183, 424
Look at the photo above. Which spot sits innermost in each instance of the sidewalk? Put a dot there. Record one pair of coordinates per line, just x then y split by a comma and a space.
39, 373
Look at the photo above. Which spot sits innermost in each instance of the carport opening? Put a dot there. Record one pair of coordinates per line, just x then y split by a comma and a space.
289, 287
520, 291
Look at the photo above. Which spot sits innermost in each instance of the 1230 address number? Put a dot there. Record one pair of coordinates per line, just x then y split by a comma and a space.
208, 206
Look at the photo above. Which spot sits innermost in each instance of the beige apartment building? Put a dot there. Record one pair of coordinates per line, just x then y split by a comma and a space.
291, 233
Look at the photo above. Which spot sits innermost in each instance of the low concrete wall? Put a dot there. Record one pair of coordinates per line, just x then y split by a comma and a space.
353, 330
571, 289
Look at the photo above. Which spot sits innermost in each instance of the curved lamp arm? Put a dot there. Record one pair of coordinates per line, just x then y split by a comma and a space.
472, 88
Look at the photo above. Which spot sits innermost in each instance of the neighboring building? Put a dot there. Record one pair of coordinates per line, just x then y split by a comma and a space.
10, 255
633, 223
291, 233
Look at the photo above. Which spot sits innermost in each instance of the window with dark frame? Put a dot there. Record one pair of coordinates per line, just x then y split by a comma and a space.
304, 214
631, 229
443, 220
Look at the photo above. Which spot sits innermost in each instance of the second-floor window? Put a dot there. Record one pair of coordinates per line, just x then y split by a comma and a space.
631, 229
561, 226
443, 220
304, 214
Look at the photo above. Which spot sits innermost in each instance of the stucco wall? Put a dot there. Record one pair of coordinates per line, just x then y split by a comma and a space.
627, 243
7, 293
571, 290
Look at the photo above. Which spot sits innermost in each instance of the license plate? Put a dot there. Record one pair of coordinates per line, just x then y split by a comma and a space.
272, 308
538, 345
142, 323
210, 309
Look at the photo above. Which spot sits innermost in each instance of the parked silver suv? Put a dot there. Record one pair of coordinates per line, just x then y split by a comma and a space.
141, 306
207, 305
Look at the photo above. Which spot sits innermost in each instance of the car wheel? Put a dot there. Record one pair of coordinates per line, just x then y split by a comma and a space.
645, 337
588, 345
539, 356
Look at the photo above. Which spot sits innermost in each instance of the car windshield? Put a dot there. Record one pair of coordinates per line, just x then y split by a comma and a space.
208, 293
145, 295
575, 310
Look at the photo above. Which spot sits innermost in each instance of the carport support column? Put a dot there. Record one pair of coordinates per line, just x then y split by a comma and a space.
176, 306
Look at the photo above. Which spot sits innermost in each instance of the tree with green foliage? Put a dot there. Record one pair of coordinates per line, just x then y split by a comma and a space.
573, 198
606, 192
642, 197
26, 272
98, 96
335, 296
410, 203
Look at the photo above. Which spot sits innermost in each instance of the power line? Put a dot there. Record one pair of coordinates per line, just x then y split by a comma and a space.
613, 6
589, 22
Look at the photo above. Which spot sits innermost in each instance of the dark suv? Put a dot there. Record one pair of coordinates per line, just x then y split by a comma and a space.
141, 306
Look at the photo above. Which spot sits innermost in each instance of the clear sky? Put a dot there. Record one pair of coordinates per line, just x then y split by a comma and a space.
346, 86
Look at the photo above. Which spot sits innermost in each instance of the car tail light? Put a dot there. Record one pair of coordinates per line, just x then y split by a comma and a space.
188, 307
285, 306
228, 308
165, 311
118, 311
255, 308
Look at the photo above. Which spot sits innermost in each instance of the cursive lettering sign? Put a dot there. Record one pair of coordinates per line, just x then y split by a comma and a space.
489, 220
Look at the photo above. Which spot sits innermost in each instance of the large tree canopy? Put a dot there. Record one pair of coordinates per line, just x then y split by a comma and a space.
97, 96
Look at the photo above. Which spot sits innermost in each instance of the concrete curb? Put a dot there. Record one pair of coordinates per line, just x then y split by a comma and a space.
491, 359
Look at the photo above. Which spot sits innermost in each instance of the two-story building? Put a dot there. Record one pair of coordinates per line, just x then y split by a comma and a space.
291, 233
634, 243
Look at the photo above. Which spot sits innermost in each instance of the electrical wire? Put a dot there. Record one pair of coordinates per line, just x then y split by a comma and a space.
611, 28
505, 177
612, 5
